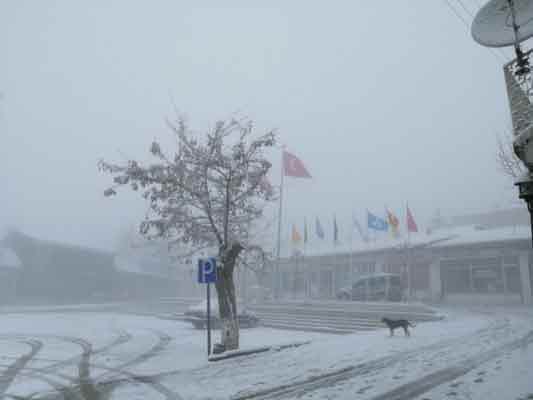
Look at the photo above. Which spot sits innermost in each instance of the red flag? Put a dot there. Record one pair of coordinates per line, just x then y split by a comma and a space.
293, 166
411, 224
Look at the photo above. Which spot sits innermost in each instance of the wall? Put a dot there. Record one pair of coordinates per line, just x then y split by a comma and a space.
496, 273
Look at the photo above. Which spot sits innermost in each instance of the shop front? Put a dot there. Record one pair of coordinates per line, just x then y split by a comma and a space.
481, 280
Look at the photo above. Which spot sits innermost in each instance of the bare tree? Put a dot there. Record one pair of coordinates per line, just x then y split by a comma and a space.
507, 159
205, 196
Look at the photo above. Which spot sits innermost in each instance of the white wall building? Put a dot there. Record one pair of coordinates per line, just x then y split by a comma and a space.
482, 263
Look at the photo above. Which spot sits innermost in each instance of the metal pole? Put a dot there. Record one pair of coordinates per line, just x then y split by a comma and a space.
277, 279
351, 249
208, 319
530, 209
408, 259
306, 237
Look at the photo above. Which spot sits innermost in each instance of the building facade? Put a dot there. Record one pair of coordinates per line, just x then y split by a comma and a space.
465, 265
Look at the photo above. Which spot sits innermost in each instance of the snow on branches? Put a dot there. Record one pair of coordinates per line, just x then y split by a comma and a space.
208, 191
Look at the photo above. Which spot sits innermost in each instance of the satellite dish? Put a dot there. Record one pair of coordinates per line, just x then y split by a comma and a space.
503, 23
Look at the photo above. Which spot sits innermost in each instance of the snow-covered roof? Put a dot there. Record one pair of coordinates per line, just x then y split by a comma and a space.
138, 265
18, 237
473, 235
8, 258
440, 238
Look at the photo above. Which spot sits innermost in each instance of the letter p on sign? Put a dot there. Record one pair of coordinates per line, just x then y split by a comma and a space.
207, 270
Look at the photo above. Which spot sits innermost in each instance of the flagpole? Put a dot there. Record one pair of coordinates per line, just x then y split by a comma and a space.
303, 257
335, 259
408, 256
277, 278
367, 235
351, 249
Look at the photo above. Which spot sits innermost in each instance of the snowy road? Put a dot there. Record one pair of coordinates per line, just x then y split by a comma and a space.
93, 356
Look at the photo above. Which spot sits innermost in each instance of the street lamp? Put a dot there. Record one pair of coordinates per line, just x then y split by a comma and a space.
501, 23
525, 192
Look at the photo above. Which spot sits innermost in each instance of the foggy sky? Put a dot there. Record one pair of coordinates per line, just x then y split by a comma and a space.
385, 102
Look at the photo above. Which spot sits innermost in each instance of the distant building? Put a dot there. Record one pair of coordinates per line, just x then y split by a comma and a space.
60, 272
480, 258
10, 269
517, 216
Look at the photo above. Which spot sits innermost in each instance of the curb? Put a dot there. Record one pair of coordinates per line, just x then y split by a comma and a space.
257, 350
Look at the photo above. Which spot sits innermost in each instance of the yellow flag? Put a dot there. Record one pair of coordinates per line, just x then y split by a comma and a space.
394, 223
296, 237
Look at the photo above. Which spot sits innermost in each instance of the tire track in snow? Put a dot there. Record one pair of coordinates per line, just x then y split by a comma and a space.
120, 370
428, 382
126, 377
14, 368
18, 368
60, 390
83, 380
332, 378
89, 388
123, 337
163, 340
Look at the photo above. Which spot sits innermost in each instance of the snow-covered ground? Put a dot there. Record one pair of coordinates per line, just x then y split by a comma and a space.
129, 356
506, 377
119, 342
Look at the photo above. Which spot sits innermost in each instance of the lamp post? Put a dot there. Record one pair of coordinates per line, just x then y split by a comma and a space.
501, 23
525, 192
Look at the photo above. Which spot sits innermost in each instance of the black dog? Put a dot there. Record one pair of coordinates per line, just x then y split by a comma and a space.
397, 323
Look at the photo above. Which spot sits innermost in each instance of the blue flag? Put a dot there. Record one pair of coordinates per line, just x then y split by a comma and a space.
318, 229
376, 223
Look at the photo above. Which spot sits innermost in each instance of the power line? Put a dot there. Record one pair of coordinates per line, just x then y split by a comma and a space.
466, 8
477, 3
471, 14
467, 24
457, 14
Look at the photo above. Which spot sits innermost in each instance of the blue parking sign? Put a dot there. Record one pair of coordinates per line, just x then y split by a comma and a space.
207, 270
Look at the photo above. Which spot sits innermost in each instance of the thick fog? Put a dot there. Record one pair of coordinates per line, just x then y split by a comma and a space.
384, 102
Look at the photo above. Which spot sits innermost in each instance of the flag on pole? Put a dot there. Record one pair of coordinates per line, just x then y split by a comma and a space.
359, 228
394, 224
305, 231
296, 238
294, 167
411, 224
376, 223
335, 231
318, 229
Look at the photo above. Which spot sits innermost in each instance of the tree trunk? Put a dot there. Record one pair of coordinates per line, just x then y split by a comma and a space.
227, 301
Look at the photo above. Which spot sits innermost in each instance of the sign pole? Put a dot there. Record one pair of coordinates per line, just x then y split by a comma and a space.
207, 273
277, 277
208, 319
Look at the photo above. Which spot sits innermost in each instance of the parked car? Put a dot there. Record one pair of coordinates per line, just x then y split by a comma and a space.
259, 294
197, 315
377, 287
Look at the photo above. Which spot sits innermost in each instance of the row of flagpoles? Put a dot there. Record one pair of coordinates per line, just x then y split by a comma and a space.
390, 223
293, 167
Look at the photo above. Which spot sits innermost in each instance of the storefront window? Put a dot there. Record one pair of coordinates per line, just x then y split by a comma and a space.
487, 279
456, 279
487, 275
512, 276
420, 276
